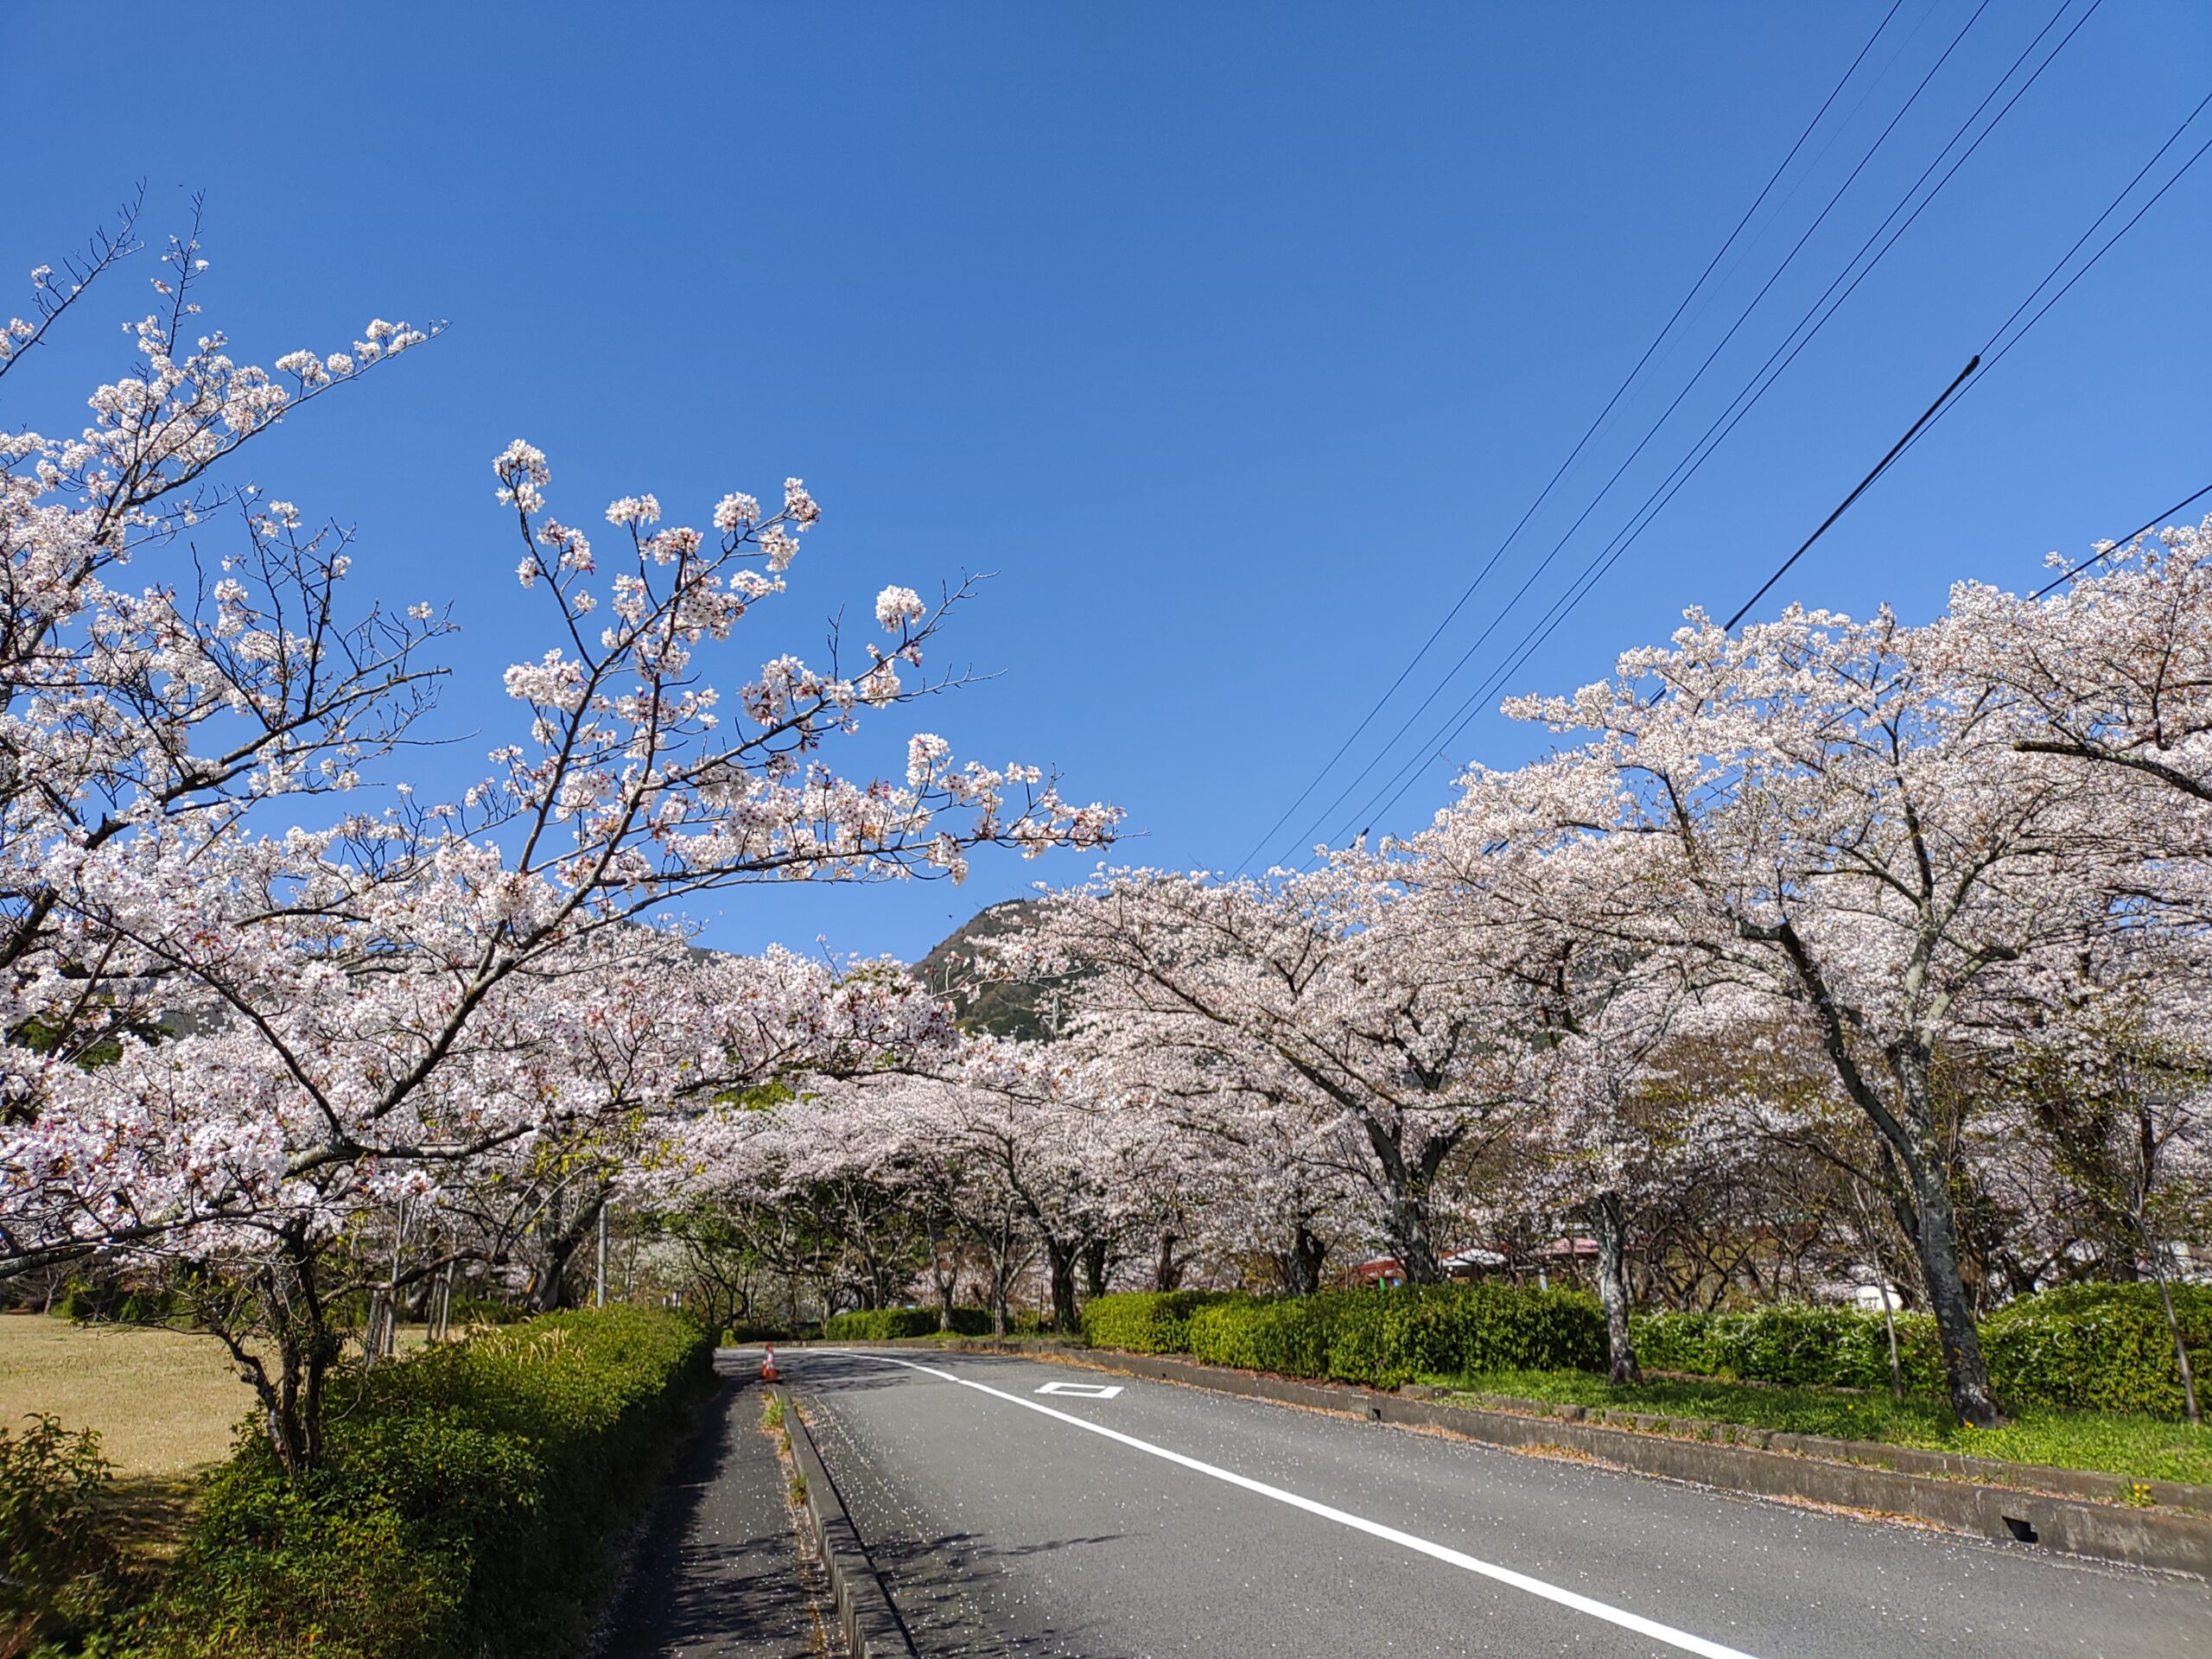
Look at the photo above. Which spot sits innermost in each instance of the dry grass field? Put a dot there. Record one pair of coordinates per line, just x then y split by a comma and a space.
164, 1401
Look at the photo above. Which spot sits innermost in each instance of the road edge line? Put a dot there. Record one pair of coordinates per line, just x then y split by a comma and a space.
1528, 1583
866, 1612
2076, 1528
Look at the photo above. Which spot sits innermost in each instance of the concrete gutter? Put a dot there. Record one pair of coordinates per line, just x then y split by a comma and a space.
865, 1612
2011, 1503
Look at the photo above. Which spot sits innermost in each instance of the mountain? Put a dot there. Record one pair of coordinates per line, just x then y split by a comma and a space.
983, 1002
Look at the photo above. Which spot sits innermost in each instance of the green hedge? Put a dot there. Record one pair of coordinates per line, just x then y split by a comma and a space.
464, 1507
1146, 1321
890, 1323
1385, 1338
2104, 1347
1792, 1343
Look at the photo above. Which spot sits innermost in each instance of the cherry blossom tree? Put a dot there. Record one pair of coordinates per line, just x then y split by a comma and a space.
229, 1036
2115, 669
1319, 990
1865, 845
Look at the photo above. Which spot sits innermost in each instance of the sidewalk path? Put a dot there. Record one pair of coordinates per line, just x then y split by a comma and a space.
719, 1575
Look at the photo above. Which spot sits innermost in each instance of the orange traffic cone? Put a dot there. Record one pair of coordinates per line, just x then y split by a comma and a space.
768, 1372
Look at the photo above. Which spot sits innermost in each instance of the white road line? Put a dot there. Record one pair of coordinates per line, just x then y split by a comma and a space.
1506, 1575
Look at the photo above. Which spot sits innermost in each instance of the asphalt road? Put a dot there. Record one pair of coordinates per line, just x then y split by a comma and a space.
1200, 1524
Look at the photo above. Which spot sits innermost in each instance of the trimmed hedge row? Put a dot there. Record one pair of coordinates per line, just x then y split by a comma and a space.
2102, 1347
463, 1508
2105, 1347
2099, 1347
1792, 1343
1380, 1337
1146, 1321
890, 1323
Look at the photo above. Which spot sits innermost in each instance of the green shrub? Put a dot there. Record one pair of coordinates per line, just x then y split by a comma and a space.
2107, 1347
62, 1574
1288, 1335
1145, 1321
879, 1323
1385, 1338
1670, 1342
1792, 1343
2104, 1347
463, 1507
746, 1333
890, 1323
120, 1304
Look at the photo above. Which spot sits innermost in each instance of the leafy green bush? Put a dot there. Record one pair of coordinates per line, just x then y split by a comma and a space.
1145, 1321
1793, 1342
62, 1573
890, 1323
746, 1332
1288, 1335
2103, 1346
121, 1304
1385, 1338
879, 1323
463, 1506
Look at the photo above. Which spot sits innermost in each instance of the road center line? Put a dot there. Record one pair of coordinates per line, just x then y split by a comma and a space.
1506, 1575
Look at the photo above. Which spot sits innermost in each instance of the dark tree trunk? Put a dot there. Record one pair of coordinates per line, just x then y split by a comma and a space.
1965, 1372
1926, 1210
1416, 1251
549, 1288
945, 1274
1060, 1260
1407, 1191
1167, 1267
1307, 1253
1612, 1288
1096, 1262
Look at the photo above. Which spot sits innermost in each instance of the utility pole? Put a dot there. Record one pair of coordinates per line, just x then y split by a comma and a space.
598, 1279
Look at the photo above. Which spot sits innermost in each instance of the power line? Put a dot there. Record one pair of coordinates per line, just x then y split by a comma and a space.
1762, 380
1864, 484
1653, 430
1549, 622
1606, 558
1993, 354
1590, 432
2111, 548
1968, 377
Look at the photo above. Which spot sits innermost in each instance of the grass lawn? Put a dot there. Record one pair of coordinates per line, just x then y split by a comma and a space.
164, 1401
2148, 1448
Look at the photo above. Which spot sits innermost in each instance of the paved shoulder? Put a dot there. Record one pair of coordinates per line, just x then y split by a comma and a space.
719, 1575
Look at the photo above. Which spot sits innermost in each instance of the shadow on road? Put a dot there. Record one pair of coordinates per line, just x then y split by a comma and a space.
718, 1574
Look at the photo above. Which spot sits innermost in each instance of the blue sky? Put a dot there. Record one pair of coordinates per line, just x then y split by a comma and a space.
1232, 338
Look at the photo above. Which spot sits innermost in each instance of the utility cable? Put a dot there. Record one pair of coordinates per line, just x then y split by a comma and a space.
2108, 549
1793, 344
1665, 415
1582, 442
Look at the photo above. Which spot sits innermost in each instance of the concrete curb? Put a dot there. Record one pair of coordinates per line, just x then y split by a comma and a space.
865, 1612
1787, 1466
